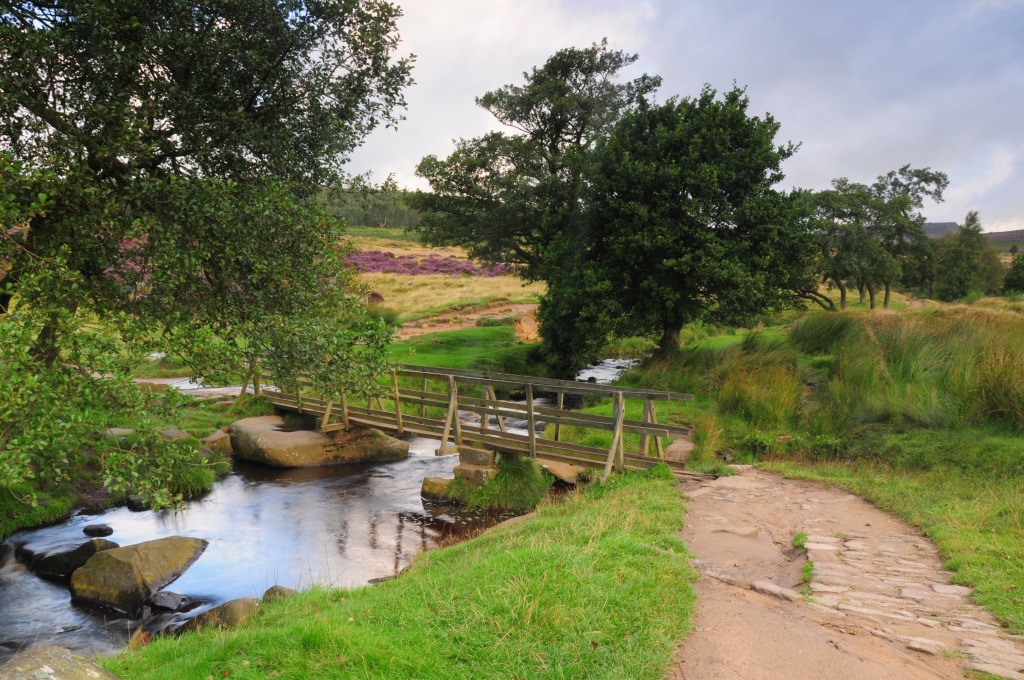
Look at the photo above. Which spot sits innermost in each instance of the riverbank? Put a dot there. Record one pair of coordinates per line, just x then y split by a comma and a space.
596, 584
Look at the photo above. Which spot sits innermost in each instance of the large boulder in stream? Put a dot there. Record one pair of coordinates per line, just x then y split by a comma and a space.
123, 578
62, 564
267, 440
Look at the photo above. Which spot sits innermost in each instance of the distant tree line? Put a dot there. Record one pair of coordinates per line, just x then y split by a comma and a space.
362, 204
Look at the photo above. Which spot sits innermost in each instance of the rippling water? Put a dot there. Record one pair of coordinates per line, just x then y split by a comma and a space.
334, 525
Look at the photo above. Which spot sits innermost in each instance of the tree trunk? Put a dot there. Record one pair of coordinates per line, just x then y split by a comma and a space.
871, 294
668, 346
45, 349
888, 290
842, 294
860, 289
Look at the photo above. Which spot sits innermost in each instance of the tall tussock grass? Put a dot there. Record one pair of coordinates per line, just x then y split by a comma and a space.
955, 366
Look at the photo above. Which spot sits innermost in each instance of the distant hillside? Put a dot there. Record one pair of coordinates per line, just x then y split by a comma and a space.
940, 229
1003, 236
1000, 240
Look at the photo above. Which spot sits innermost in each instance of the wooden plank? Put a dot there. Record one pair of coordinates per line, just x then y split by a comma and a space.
398, 401
423, 405
558, 425
489, 393
531, 421
645, 440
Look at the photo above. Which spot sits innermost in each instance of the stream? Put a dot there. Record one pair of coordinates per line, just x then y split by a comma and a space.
340, 526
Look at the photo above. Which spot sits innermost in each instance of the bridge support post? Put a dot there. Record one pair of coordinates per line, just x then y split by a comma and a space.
531, 420
398, 403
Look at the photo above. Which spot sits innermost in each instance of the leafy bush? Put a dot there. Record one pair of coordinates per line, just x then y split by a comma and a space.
758, 445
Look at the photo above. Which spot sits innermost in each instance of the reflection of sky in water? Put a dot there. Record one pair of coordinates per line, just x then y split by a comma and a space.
337, 525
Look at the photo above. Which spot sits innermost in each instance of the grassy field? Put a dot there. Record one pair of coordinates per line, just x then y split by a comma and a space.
920, 411
596, 584
492, 348
414, 297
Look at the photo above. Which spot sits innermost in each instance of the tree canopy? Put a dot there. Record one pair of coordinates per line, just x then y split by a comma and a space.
160, 165
684, 221
872, 236
967, 264
508, 197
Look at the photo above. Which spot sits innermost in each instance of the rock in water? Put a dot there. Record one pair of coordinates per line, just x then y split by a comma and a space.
123, 578
63, 564
97, 530
229, 614
265, 440
53, 663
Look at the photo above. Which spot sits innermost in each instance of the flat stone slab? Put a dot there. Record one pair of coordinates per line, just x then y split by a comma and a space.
563, 472
266, 440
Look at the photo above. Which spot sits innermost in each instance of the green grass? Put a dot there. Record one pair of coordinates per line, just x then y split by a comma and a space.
52, 506
800, 540
919, 411
520, 485
494, 348
595, 585
807, 572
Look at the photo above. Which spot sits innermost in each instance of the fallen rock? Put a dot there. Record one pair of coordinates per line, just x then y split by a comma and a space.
229, 614
173, 433
274, 592
61, 565
265, 440
218, 441
436, 489
53, 663
563, 472
166, 600
123, 578
97, 530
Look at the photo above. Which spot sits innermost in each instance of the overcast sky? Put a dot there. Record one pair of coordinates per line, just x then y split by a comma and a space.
865, 86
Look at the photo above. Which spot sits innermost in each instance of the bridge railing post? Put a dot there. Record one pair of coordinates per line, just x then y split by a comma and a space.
558, 426
398, 402
531, 420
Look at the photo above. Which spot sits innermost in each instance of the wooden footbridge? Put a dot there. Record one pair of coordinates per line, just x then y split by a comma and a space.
427, 401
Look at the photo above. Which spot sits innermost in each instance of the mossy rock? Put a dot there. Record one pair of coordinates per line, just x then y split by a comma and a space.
53, 663
123, 578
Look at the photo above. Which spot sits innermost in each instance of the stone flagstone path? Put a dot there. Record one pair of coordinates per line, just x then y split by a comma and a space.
877, 605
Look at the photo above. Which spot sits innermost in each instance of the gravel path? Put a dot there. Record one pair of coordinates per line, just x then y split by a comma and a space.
877, 605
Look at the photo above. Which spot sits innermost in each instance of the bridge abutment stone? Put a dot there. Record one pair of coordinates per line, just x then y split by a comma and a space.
476, 467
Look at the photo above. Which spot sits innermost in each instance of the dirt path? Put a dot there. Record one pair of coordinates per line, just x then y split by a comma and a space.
879, 604
526, 326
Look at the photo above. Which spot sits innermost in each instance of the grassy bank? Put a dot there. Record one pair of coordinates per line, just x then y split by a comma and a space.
594, 585
491, 348
920, 411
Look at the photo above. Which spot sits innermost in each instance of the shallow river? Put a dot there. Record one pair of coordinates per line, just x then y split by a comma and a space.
335, 525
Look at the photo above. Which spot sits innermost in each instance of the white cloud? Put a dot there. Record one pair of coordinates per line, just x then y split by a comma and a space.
980, 6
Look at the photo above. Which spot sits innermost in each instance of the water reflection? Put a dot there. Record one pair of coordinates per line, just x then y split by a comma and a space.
340, 526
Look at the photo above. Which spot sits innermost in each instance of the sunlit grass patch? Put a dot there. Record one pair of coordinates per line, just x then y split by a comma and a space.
595, 585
